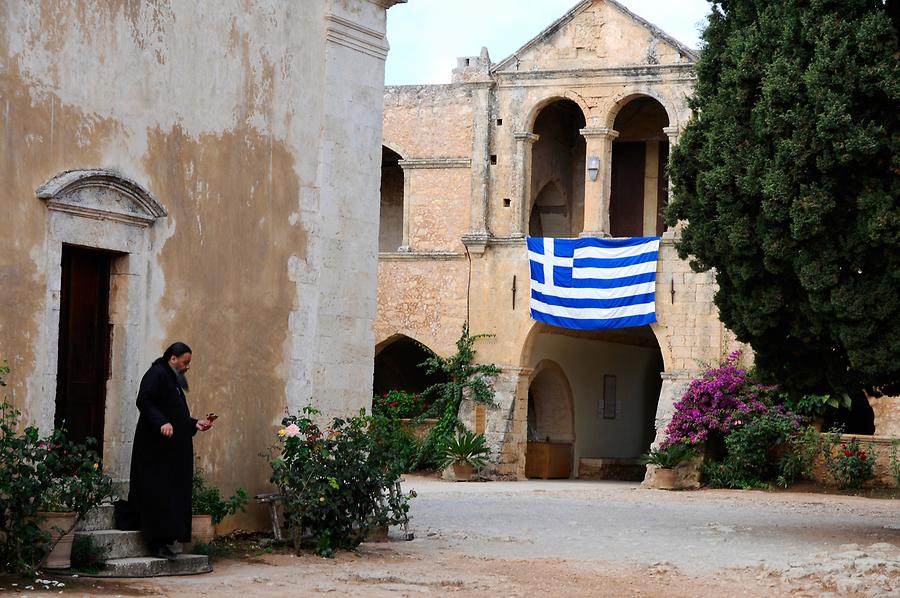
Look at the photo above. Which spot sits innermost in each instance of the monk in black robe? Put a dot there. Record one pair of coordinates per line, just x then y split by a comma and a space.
162, 458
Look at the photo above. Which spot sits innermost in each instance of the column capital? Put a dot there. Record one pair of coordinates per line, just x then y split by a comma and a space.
673, 130
526, 136
601, 132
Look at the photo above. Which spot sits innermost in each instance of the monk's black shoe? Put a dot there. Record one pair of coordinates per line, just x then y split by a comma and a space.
165, 552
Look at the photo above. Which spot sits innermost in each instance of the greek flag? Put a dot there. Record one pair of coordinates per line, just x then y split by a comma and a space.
590, 284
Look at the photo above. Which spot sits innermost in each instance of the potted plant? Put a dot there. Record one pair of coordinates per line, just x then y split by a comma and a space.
209, 508
74, 485
666, 459
465, 452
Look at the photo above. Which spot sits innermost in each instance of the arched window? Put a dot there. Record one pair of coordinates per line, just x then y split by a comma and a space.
557, 172
390, 232
639, 190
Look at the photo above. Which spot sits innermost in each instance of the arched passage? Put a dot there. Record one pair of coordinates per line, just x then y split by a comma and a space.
639, 188
390, 232
613, 377
557, 179
551, 425
397, 366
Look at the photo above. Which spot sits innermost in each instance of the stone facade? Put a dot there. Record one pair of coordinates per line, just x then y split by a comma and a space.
221, 161
506, 150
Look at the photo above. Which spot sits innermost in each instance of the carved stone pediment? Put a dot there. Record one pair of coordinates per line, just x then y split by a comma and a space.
102, 195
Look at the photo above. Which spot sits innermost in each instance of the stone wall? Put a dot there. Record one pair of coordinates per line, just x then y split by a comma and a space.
257, 129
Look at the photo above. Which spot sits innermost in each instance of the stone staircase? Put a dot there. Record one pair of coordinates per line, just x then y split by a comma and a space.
126, 554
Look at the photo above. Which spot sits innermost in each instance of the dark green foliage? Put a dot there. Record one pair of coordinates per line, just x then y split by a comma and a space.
87, 555
670, 456
753, 452
207, 500
788, 179
397, 442
463, 378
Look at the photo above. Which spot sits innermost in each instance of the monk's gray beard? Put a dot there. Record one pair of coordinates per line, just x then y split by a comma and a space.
182, 381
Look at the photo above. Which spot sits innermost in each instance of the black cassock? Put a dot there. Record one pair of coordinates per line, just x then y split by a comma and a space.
162, 468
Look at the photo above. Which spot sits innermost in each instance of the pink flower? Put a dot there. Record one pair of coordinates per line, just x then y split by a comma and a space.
291, 431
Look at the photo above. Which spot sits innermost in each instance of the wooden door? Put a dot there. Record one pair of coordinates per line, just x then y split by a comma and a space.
626, 204
84, 330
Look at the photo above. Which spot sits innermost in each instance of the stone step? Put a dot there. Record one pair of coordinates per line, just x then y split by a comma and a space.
185, 564
99, 518
117, 544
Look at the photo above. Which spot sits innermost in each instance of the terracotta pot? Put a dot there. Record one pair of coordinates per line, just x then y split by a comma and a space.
665, 479
202, 529
56, 524
463, 471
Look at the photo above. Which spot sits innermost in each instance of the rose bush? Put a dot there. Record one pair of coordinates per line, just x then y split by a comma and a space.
335, 483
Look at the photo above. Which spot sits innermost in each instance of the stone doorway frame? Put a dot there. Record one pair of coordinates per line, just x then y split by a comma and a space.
103, 210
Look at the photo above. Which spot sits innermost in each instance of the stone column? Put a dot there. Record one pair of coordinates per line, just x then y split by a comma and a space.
524, 143
672, 133
597, 193
404, 242
481, 150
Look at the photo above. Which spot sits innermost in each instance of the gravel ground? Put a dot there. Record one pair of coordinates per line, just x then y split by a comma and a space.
571, 538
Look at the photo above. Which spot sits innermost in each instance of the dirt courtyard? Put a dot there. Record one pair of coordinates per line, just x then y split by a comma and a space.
571, 538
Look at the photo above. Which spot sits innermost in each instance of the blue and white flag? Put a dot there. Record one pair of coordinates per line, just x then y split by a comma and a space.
590, 284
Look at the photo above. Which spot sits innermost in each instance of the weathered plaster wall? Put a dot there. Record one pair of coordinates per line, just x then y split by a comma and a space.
257, 125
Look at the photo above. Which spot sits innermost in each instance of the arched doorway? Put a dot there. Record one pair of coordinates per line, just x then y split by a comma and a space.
639, 188
557, 172
614, 381
390, 232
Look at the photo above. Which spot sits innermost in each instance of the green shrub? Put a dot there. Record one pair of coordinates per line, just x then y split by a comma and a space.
335, 482
753, 452
207, 500
37, 474
398, 442
398, 403
797, 462
848, 463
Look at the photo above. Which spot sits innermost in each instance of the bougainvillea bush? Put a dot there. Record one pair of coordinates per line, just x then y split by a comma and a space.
721, 399
748, 438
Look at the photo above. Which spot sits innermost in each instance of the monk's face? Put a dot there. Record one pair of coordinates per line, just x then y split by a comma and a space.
181, 364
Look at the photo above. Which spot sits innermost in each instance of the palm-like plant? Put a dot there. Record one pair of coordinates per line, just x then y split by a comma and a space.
466, 447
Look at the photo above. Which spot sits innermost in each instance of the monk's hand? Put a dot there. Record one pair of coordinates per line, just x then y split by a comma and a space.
166, 430
203, 425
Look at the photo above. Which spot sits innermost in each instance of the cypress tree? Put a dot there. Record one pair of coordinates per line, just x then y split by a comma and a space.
787, 178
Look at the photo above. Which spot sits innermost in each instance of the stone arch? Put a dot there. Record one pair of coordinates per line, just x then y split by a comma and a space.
393, 212
616, 103
559, 424
397, 360
108, 216
537, 107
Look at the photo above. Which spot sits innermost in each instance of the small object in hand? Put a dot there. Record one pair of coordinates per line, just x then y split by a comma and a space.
211, 417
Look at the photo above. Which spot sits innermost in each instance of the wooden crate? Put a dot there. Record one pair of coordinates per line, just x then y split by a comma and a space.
548, 460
